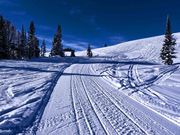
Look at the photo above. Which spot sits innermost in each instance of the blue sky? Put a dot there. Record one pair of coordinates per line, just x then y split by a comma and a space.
94, 22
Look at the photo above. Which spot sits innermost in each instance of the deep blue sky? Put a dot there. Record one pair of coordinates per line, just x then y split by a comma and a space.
93, 21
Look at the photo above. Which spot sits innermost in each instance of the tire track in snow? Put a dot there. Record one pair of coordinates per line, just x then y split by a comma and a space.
142, 86
118, 120
161, 76
94, 122
61, 121
145, 86
83, 123
74, 105
35, 122
105, 122
149, 125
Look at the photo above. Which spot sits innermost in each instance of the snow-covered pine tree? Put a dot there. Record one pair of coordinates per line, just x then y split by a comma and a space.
23, 46
57, 48
168, 50
43, 48
89, 52
31, 40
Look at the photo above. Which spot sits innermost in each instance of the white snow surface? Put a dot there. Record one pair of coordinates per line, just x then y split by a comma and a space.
24, 84
123, 90
147, 49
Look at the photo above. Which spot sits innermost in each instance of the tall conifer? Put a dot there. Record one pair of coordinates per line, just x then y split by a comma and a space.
43, 48
57, 48
31, 40
168, 49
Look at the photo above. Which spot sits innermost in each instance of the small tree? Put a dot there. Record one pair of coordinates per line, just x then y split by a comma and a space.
43, 48
105, 45
168, 49
89, 52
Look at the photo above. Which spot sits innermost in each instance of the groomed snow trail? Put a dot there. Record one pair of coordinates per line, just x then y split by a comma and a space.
82, 103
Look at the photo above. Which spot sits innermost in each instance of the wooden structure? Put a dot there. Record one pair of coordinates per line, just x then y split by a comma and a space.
70, 50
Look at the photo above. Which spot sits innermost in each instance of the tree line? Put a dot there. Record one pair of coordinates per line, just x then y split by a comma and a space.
21, 45
15, 44
25, 45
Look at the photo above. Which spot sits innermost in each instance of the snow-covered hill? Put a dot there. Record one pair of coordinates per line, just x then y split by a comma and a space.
123, 90
147, 48
139, 75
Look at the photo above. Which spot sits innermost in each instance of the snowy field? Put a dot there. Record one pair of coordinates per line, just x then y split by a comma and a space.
142, 77
136, 71
154, 86
23, 88
123, 90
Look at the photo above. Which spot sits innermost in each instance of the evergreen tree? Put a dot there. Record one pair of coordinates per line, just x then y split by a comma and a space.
26, 45
168, 49
57, 48
12, 38
19, 56
23, 47
89, 52
3, 39
36, 49
9, 36
43, 48
31, 40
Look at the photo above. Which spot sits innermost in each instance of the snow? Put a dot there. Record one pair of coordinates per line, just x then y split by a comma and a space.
147, 49
137, 72
24, 84
124, 89
89, 105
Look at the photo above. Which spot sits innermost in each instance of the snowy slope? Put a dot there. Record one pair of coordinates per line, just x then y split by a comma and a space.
83, 103
138, 74
123, 90
148, 49
23, 88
